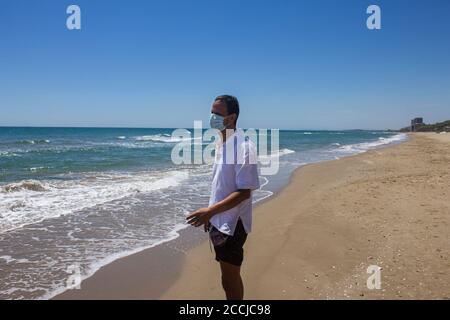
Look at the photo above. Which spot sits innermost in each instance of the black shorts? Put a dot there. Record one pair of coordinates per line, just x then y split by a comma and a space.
229, 248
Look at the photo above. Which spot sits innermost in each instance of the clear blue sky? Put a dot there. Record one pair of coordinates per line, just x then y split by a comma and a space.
292, 64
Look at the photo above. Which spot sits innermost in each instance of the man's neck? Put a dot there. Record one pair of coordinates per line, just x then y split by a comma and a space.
227, 133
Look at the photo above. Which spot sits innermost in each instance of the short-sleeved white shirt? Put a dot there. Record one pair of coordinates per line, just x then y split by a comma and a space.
235, 168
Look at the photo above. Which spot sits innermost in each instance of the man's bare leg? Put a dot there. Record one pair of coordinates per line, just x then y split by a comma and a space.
232, 281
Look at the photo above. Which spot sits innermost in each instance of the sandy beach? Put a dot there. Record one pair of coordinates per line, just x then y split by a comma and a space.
388, 207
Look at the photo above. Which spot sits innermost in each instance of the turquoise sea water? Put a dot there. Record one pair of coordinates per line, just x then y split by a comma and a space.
87, 196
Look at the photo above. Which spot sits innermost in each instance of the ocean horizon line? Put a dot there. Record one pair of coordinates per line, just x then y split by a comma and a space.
189, 128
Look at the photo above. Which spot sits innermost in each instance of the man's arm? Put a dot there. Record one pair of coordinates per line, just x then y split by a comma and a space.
202, 216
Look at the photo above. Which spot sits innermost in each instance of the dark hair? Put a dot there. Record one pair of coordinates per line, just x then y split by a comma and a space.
232, 104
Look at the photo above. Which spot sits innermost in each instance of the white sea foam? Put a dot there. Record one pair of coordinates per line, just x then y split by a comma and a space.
277, 153
35, 141
167, 138
9, 259
35, 169
365, 146
8, 154
121, 137
31, 201
261, 193
161, 138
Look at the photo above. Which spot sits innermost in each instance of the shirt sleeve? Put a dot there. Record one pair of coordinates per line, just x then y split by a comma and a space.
247, 176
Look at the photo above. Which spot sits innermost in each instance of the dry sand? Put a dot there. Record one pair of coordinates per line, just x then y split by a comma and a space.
388, 207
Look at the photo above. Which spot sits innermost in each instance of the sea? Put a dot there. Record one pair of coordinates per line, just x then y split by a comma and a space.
80, 198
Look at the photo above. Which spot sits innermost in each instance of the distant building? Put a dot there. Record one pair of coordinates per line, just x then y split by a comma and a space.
416, 123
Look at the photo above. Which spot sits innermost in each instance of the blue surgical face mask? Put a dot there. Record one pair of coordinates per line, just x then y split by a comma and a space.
216, 122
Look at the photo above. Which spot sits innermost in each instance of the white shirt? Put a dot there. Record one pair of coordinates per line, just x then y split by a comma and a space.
235, 167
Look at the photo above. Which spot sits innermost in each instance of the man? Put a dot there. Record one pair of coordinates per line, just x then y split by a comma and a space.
229, 215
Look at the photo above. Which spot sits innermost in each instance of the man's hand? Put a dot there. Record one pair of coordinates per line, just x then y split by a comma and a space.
199, 217
202, 216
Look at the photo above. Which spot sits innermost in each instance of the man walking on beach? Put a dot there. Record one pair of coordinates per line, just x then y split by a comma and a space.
229, 215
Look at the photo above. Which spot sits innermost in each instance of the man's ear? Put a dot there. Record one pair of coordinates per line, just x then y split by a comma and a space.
231, 119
